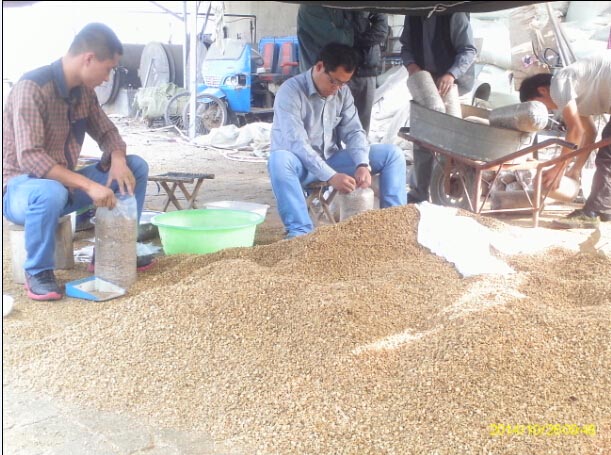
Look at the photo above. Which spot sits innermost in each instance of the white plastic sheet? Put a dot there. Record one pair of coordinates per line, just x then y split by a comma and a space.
458, 239
390, 109
256, 135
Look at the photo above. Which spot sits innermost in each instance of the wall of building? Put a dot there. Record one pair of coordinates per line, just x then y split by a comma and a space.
273, 18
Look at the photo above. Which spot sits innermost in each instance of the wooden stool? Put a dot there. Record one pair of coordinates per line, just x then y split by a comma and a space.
316, 192
64, 253
179, 179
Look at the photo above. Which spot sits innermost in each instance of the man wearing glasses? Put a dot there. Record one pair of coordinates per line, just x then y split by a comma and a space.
317, 136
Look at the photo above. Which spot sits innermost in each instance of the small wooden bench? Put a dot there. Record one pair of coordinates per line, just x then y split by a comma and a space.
179, 180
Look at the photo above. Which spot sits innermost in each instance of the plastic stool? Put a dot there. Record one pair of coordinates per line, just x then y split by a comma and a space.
64, 253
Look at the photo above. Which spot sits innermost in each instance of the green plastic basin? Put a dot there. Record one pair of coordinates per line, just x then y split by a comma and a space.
204, 231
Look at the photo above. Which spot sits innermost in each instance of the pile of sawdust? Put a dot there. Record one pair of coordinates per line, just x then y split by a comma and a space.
353, 339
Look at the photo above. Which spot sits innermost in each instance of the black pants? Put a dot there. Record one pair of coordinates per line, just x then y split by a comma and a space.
422, 171
599, 200
363, 90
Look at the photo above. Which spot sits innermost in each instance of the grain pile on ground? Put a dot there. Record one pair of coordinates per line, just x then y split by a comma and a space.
351, 340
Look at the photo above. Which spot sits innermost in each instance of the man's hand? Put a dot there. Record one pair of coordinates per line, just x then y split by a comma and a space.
343, 183
549, 175
413, 68
574, 173
102, 196
120, 172
362, 177
444, 83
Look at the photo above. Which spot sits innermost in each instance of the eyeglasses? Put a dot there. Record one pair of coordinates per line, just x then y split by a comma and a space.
334, 81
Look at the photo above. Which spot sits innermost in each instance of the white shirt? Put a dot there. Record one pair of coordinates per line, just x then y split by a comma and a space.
587, 81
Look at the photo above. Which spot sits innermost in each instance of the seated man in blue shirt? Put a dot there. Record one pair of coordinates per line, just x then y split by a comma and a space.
317, 135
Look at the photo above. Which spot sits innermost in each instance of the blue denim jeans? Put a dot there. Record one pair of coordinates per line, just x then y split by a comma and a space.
37, 204
289, 177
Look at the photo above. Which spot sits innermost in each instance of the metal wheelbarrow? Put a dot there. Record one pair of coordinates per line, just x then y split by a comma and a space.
464, 150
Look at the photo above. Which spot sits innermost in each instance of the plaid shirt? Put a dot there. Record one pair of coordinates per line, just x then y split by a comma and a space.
44, 124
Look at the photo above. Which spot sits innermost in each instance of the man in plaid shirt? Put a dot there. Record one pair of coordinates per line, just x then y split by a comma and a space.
45, 120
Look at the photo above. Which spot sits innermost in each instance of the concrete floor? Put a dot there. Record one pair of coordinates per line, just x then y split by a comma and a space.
33, 423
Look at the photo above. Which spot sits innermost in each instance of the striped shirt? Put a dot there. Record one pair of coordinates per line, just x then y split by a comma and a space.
44, 124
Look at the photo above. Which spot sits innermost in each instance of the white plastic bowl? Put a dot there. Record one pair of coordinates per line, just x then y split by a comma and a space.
260, 209
7, 305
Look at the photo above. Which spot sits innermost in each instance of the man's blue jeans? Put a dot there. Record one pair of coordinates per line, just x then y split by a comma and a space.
37, 204
289, 177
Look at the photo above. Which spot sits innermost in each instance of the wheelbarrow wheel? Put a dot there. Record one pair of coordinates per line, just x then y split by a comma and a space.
448, 183
174, 110
211, 112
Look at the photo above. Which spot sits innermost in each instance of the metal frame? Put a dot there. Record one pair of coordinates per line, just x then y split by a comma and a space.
505, 163
317, 191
